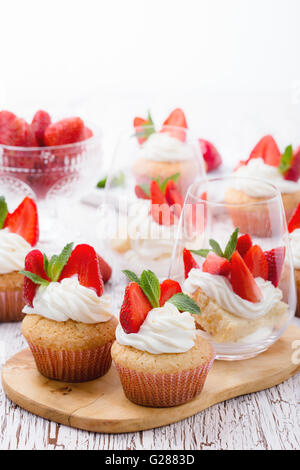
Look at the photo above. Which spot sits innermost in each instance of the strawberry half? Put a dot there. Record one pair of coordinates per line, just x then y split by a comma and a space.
34, 262
140, 193
293, 174
41, 120
84, 262
105, 269
244, 244
168, 288
174, 198
24, 221
18, 133
242, 281
189, 262
66, 131
275, 259
138, 124
160, 209
176, 119
294, 222
215, 264
135, 308
268, 150
257, 262
210, 154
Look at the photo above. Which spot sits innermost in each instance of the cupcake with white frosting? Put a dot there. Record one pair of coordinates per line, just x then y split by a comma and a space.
69, 324
161, 359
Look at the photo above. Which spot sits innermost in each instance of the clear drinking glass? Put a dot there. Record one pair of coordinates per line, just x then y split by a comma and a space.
237, 327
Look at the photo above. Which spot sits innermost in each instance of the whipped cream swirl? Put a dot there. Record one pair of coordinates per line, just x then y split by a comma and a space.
295, 246
13, 250
258, 169
162, 147
218, 288
164, 331
69, 300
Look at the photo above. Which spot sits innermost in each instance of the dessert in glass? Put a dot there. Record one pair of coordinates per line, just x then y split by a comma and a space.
161, 359
294, 231
243, 284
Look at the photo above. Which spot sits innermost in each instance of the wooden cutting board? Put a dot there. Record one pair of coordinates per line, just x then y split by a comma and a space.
101, 406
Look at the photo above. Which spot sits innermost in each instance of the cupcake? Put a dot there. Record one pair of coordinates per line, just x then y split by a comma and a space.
19, 231
237, 290
294, 231
160, 358
69, 324
267, 163
165, 153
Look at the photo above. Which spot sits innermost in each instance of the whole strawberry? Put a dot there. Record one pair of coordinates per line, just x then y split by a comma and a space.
41, 120
17, 132
66, 131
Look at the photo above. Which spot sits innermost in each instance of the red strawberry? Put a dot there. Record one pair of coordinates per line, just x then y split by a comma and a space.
242, 281
160, 209
210, 154
215, 264
174, 198
140, 193
168, 288
268, 150
84, 262
34, 262
189, 262
24, 221
18, 133
135, 308
275, 259
41, 120
294, 222
240, 164
138, 125
244, 243
293, 174
257, 262
105, 269
66, 131
88, 133
5, 118
176, 119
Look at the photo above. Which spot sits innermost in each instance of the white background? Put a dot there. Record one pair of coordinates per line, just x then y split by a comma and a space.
232, 65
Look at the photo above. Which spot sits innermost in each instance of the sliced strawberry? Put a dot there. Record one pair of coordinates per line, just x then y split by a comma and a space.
215, 264
244, 243
189, 262
88, 133
257, 262
174, 198
293, 174
24, 221
242, 281
5, 118
168, 288
34, 262
268, 150
294, 222
138, 123
84, 262
140, 193
160, 209
175, 119
66, 131
105, 269
18, 133
135, 308
210, 154
275, 259
41, 120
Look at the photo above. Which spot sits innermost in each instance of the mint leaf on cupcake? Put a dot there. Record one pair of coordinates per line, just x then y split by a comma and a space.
151, 287
56, 264
3, 211
184, 303
35, 278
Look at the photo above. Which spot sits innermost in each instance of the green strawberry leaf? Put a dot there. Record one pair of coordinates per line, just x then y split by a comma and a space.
286, 160
151, 287
58, 262
3, 211
216, 248
35, 278
184, 303
231, 245
132, 276
202, 253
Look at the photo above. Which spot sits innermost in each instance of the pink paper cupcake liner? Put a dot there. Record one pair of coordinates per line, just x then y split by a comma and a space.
163, 390
11, 305
72, 366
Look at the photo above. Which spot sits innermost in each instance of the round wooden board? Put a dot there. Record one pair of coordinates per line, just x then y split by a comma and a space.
101, 406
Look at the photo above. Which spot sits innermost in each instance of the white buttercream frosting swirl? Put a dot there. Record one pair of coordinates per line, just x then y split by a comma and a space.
165, 330
295, 247
69, 300
13, 250
257, 168
218, 288
162, 147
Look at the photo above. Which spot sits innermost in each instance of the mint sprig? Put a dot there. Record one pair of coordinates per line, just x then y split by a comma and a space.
184, 303
116, 181
202, 253
56, 264
147, 128
231, 245
132, 276
161, 183
35, 278
215, 247
151, 287
286, 160
3, 211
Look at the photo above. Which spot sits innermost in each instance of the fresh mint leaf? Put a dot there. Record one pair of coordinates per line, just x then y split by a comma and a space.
35, 278
216, 247
46, 263
3, 211
118, 180
102, 183
132, 276
151, 287
146, 189
202, 253
286, 160
163, 185
184, 303
231, 245
57, 263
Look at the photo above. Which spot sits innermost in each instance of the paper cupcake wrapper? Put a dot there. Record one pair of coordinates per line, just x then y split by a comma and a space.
163, 390
11, 305
72, 366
